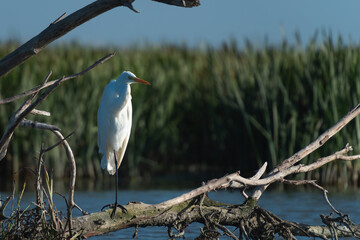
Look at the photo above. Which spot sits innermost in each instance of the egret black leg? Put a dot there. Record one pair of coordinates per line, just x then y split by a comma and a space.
116, 204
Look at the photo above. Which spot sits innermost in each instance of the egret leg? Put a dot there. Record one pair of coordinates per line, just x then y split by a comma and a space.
116, 204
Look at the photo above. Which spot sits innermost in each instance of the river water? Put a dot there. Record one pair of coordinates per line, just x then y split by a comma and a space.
299, 206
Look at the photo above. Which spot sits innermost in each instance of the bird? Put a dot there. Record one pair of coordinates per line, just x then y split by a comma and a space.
114, 120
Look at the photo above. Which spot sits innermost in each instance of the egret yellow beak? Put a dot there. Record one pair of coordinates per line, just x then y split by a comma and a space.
140, 81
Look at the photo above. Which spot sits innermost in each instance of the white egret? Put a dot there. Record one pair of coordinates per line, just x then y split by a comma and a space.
114, 121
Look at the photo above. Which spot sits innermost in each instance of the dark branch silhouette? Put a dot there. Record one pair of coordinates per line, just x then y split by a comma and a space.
63, 25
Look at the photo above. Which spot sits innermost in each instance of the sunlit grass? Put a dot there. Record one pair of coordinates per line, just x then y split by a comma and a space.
215, 110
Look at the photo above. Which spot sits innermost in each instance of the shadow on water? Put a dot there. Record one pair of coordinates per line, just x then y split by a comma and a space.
295, 204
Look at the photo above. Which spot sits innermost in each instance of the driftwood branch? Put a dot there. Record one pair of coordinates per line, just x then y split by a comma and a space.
235, 180
324, 137
30, 105
63, 25
253, 219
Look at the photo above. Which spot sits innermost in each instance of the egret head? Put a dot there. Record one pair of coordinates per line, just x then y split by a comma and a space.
128, 77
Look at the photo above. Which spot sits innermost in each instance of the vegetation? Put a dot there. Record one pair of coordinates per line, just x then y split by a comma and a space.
207, 111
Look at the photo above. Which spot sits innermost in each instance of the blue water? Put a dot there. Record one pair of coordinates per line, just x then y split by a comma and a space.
297, 206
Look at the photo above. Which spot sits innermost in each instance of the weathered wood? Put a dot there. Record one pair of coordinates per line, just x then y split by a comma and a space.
143, 215
256, 221
317, 143
63, 25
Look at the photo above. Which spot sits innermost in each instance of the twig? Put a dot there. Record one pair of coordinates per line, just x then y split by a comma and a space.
59, 18
174, 236
243, 230
136, 231
40, 163
2, 208
324, 160
40, 112
39, 200
200, 210
313, 182
328, 202
130, 6
71, 159
69, 219
80, 209
226, 231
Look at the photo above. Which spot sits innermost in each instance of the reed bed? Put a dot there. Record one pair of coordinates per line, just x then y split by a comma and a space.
208, 111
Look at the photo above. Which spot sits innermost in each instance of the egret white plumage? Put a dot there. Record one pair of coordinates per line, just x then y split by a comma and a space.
114, 120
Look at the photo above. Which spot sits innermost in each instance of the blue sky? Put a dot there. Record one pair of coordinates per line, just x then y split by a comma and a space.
214, 22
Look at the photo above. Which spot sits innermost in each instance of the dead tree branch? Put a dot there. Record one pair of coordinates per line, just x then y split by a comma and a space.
180, 215
288, 163
30, 105
33, 124
235, 180
181, 3
62, 26
47, 84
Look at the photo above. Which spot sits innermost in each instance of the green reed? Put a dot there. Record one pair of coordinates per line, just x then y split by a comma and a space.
207, 110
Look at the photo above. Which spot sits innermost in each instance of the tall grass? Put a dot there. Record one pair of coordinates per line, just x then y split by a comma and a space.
207, 110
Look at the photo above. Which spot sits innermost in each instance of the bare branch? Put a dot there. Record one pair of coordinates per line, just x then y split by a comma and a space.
40, 125
234, 180
70, 156
258, 175
27, 107
313, 182
324, 137
62, 26
181, 3
47, 84
324, 160
3, 206
40, 112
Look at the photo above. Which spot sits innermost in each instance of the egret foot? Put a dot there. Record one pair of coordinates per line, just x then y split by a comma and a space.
123, 209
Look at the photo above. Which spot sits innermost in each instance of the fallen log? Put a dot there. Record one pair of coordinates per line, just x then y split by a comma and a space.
253, 221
